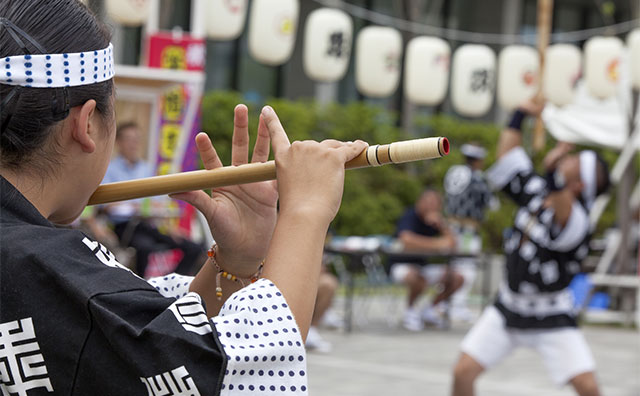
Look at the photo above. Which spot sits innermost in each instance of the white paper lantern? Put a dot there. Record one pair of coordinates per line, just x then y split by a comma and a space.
225, 18
378, 53
426, 70
562, 68
272, 30
518, 67
473, 80
601, 65
327, 44
128, 12
633, 42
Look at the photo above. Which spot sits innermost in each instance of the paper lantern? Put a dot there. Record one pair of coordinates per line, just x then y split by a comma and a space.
378, 52
272, 30
473, 79
225, 18
327, 44
633, 42
128, 12
426, 70
601, 65
562, 68
518, 67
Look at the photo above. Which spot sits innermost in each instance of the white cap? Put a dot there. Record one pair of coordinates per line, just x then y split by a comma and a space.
473, 151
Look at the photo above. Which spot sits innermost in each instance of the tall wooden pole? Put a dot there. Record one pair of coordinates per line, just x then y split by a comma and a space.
545, 17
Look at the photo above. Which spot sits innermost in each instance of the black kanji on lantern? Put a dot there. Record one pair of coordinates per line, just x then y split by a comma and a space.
336, 41
481, 80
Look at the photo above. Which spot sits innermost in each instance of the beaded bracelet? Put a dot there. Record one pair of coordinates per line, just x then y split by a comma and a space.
222, 273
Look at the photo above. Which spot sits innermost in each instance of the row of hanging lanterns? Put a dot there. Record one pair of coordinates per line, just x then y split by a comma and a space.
428, 67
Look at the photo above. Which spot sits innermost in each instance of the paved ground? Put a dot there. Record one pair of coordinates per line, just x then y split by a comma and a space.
379, 359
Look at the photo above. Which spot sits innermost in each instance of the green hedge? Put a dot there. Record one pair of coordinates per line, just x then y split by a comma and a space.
373, 198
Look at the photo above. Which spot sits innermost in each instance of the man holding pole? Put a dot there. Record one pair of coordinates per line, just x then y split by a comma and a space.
534, 307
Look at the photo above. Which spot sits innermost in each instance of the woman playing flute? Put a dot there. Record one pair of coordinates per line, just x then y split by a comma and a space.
73, 321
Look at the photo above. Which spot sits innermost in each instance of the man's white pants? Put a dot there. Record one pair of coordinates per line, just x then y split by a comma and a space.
564, 350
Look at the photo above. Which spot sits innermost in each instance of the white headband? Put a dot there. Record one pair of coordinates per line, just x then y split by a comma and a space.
588, 176
473, 151
58, 70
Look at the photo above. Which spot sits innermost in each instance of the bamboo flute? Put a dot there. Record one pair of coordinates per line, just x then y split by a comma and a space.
393, 153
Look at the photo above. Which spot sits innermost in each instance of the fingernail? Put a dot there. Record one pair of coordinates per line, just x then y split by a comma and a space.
267, 110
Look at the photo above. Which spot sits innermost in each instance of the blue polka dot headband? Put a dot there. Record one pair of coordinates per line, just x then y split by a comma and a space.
58, 70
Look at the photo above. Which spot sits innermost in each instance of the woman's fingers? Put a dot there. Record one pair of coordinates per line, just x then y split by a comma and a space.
240, 142
332, 143
207, 152
347, 150
200, 199
261, 148
279, 139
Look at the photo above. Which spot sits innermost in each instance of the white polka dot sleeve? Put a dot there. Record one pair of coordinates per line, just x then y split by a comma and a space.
172, 285
263, 344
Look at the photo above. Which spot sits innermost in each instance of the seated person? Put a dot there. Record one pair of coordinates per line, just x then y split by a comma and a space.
132, 230
422, 228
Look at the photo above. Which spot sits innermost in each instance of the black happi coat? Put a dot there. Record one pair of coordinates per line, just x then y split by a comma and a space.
542, 257
75, 322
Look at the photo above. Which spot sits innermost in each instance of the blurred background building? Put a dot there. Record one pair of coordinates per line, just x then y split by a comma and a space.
230, 67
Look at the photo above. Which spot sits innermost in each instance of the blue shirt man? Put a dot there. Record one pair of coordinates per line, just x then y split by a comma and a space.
131, 228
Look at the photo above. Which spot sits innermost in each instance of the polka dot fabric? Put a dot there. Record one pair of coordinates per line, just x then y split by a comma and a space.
263, 344
172, 285
58, 70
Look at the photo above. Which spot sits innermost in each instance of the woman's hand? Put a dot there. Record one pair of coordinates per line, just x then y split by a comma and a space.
310, 174
310, 184
241, 217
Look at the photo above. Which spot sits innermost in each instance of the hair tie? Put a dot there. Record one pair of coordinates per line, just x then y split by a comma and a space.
13, 31
60, 108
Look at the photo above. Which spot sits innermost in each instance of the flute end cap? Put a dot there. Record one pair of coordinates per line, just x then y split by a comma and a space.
444, 144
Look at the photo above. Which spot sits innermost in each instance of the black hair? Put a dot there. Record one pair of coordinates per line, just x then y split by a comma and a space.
29, 115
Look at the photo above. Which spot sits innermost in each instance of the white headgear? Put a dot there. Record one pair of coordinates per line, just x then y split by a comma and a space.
473, 151
588, 176
58, 70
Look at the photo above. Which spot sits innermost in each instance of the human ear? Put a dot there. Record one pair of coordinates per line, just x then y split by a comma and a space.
84, 127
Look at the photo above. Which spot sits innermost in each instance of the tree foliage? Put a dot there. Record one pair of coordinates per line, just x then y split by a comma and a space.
374, 198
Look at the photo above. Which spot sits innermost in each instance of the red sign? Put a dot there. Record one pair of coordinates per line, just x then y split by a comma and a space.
167, 50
